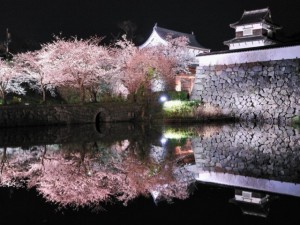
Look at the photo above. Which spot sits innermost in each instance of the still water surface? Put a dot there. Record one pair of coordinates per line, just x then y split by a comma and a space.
229, 173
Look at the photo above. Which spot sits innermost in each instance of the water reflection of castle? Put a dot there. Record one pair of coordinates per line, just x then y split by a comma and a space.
252, 203
265, 158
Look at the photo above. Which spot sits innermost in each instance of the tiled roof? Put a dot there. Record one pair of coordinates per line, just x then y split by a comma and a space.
164, 33
248, 38
255, 16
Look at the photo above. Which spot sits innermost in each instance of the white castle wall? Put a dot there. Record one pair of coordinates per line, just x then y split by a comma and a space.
262, 55
246, 45
252, 26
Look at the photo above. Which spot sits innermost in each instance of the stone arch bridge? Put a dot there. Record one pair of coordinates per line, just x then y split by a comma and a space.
39, 115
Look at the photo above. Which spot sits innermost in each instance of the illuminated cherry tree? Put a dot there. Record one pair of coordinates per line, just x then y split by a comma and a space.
40, 68
123, 51
10, 80
152, 68
176, 50
84, 63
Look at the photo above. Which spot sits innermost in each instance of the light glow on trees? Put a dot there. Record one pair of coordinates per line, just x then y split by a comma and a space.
10, 80
90, 67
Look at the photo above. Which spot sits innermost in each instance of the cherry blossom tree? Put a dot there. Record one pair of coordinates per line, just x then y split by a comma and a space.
10, 80
40, 68
123, 51
177, 51
153, 66
84, 63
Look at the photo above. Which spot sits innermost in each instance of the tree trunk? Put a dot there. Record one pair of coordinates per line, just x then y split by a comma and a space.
82, 94
44, 95
148, 92
93, 96
3, 160
44, 154
134, 97
3, 96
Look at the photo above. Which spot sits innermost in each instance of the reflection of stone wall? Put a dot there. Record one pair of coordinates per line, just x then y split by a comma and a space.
268, 91
36, 115
27, 136
83, 133
265, 152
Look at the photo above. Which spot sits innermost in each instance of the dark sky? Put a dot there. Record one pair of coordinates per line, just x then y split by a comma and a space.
37, 20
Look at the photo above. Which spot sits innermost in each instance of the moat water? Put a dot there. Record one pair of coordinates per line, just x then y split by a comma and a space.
150, 174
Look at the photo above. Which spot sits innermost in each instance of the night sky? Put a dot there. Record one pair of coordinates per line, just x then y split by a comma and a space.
31, 22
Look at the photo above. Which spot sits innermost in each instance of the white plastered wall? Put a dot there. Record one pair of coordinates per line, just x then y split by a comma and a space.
262, 55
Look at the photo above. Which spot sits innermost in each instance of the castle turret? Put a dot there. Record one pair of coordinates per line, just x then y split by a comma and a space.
254, 29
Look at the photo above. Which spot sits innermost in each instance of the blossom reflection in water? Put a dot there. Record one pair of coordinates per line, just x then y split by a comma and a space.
91, 173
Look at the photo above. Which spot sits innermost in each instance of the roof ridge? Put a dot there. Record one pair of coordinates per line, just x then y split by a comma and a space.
256, 10
192, 40
174, 30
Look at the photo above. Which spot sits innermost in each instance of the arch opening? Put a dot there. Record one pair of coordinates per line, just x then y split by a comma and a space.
100, 120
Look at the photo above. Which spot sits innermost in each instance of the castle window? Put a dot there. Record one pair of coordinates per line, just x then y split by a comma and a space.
247, 32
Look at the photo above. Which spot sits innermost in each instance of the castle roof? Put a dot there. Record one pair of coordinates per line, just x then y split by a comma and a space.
165, 33
249, 38
255, 16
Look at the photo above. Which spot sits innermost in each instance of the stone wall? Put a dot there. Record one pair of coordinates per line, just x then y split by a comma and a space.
268, 151
37, 115
258, 91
